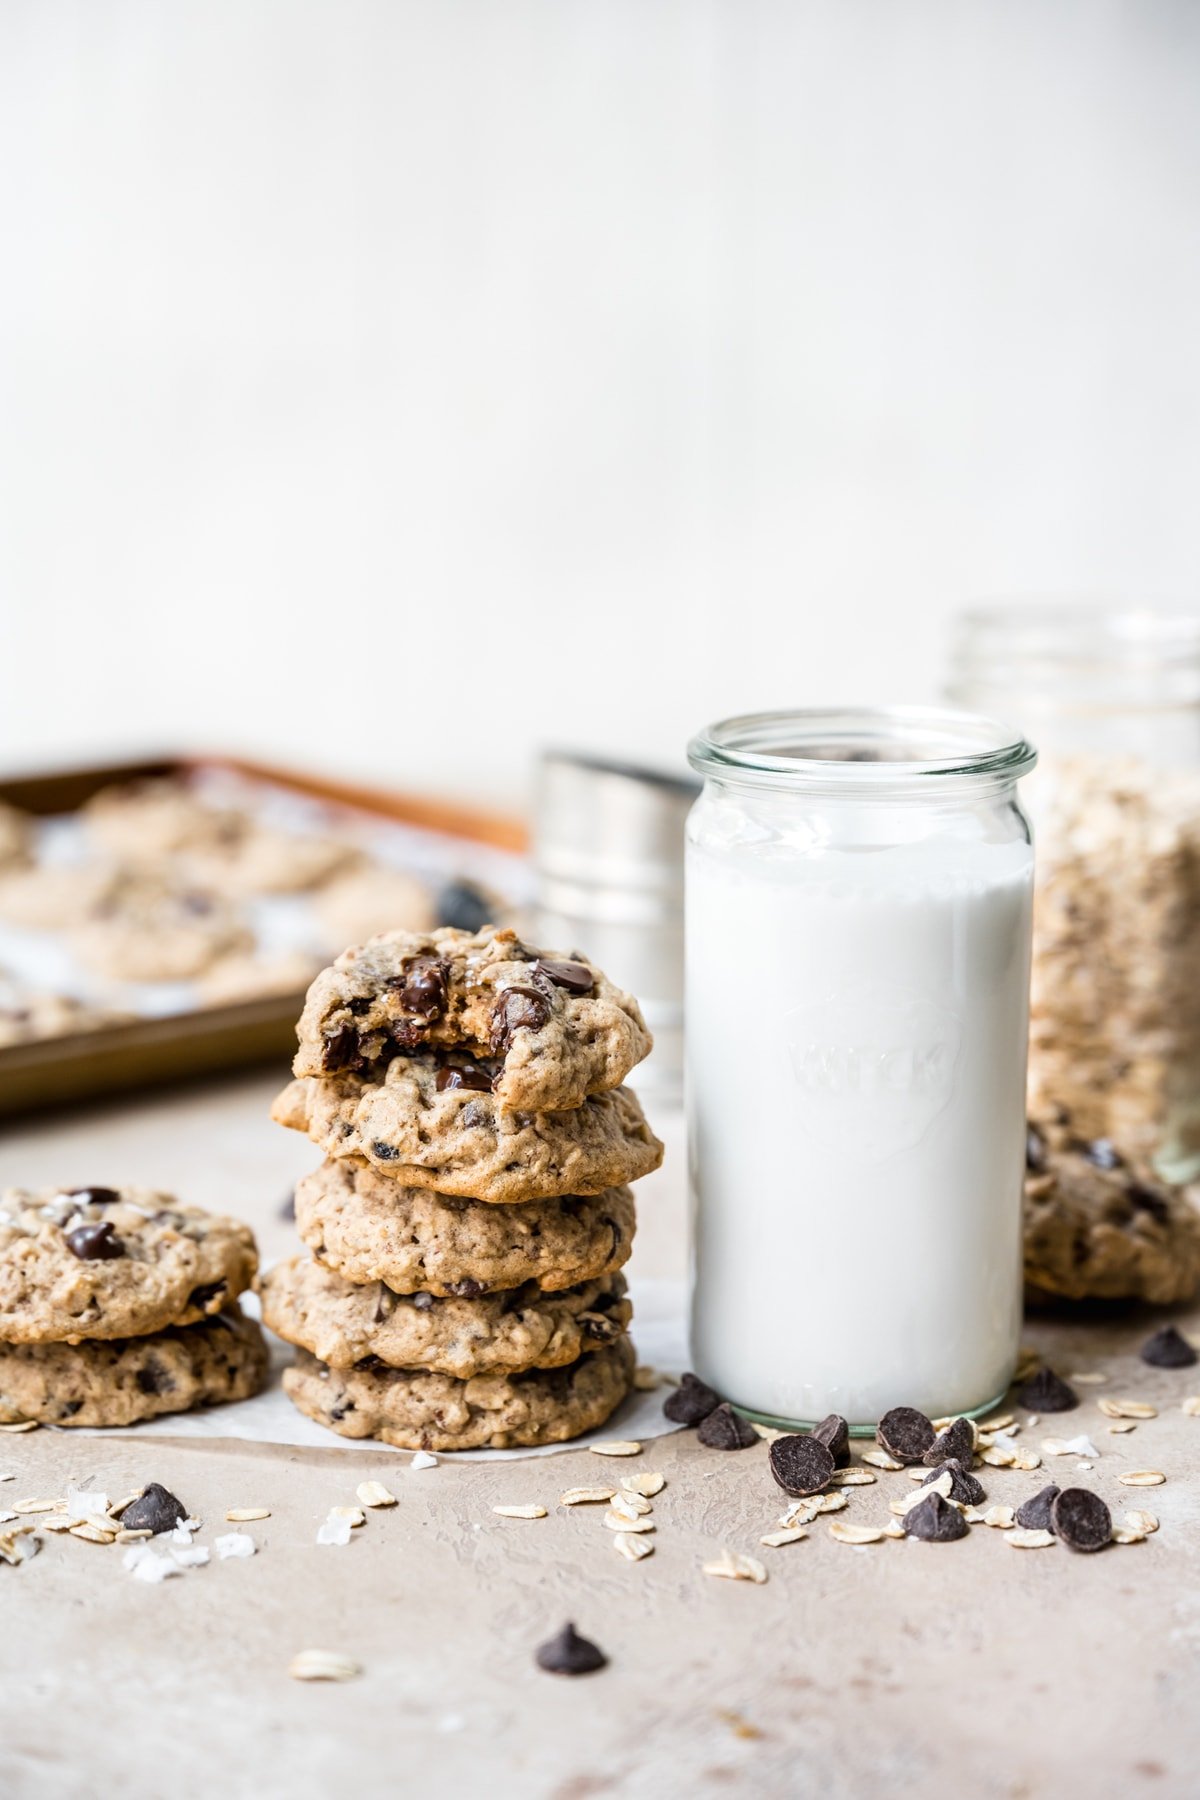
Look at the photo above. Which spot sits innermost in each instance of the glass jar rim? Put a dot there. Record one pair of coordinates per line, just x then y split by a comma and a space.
864, 751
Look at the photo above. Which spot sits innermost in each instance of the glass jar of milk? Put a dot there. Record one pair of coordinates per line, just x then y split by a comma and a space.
859, 889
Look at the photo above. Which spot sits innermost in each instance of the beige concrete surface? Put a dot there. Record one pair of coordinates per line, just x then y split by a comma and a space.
897, 1668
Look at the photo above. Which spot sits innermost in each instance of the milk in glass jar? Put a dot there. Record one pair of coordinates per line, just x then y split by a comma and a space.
859, 890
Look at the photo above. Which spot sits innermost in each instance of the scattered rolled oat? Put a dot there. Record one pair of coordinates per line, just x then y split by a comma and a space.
775, 1540
520, 1512
585, 1496
998, 1422
894, 1529
323, 1665
33, 1506
1026, 1460
646, 1378
616, 1447
1122, 1534
853, 1477
1142, 1478
879, 1459
732, 1566
630, 1505
618, 1522
373, 1493
855, 1534
633, 1549
1139, 1520
1120, 1426
243, 1515
649, 1483
1126, 1409
1023, 1538
1001, 1518
94, 1534
1088, 1377
1191, 1406
998, 1456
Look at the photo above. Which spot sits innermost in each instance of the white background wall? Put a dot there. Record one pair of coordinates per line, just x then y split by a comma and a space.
397, 386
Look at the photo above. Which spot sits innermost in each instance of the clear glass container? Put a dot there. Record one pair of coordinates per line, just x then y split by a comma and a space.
859, 889
1113, 697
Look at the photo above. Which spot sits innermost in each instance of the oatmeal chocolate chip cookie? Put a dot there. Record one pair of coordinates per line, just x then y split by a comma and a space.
453, 1137
417, 1410
248, 976
156, 817
371, 1227
264, 860
16, 836
1097, 1229
54, 896
497, 1334
128, 1379
113, 1263
149, 930
555, 1028
358, 905
27, 1018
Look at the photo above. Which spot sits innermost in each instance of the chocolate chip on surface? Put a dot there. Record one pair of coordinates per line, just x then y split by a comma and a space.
157, 1509
834, 1433
95, 1243
935, 1521
1047, 1392
94, 1196
957, 1441
1036, 1514
573, 977
467, 1076
1081, 1519
801, 1464
1168, 1349
461, 904
691, 1401
905, 1434
566, 1653
725, 1429
517, 1009
963, 1485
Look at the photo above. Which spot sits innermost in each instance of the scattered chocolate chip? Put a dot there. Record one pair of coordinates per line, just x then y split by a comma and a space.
340, 1049
1035, 1151
935, 1521
566, 1653
1104, 1154
154, 1377
905, 1434
801, 1464
461, 905
95, 1243
208, 1291
574, 977
958, 1440
724, 1429
1037, 1513
1047, 1392
517, 1009
464, 1077
94, 1196
422, 986
691, 1402
963, 1485
1081, 1519
384, 1152
834, 1433
1167, 1349
157, 1509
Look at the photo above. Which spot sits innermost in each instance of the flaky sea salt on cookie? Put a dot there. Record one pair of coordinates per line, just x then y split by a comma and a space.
101, 1262
547, 1029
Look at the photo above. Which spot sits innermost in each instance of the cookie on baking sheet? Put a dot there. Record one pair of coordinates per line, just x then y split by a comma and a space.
16, 836
266, 860
430, 1125
496, 1334
253, 975
26, 1018
371, 1227
127, 1379
365, 901
555, 1028
113, 1263
1098, 1229
148, 929
155, 817
416, 1410
53, 896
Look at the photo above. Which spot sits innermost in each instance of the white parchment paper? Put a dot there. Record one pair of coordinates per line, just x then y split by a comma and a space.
659, 1330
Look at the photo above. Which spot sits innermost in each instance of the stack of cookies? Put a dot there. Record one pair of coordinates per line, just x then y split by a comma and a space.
469, 1226
118, 1304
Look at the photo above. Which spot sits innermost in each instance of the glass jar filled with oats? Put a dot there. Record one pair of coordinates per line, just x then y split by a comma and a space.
1112, 697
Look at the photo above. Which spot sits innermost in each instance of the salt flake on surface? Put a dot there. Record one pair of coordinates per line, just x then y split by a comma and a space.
149, 1566
234, 1543
194, 1558
335, 1530
423, 1460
